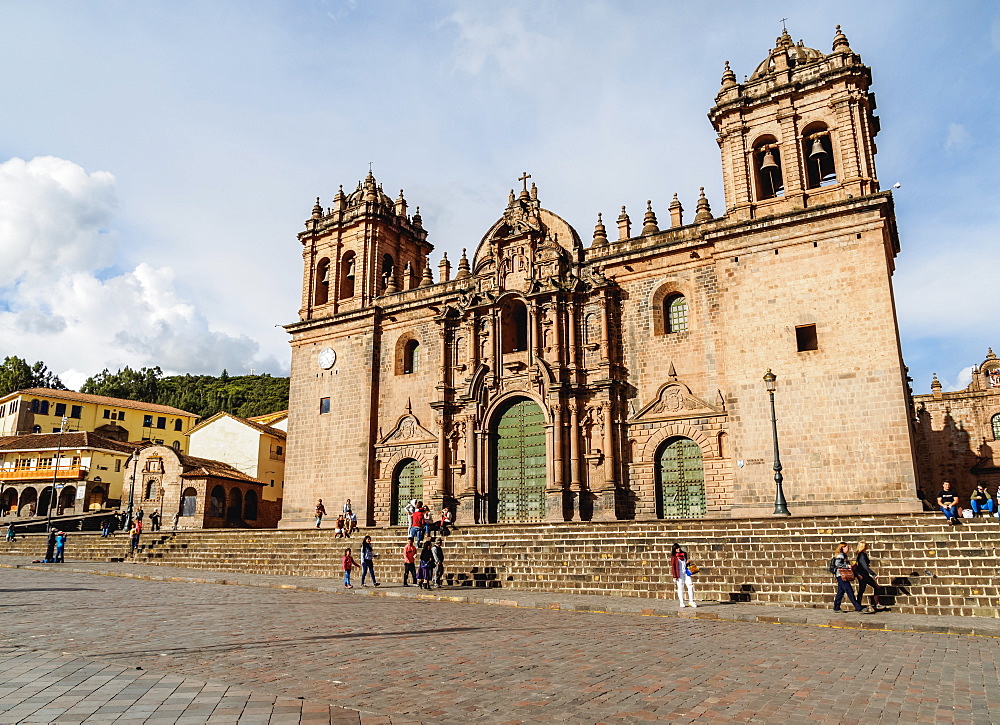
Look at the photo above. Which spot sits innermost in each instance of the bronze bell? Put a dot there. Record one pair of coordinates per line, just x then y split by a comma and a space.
768, 162
817, 147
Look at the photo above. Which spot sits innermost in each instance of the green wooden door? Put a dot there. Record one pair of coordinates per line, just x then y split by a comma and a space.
519, 457
409, 484
681, 481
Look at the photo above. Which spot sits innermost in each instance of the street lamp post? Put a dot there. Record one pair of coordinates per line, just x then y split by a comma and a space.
131, 492
55, 476
780, 505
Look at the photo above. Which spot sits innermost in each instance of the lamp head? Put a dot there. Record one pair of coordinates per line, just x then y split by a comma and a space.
770, 381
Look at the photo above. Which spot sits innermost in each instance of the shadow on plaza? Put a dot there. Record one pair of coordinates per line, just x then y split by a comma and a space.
48, 589
287, 642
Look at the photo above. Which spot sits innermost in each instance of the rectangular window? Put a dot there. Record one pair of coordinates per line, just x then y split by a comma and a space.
60, 409
76, 412
147, 421
107, 413
55, 430
178, 425
118, 466
161, 422
324, 405
44, 407
805, 338
280, 450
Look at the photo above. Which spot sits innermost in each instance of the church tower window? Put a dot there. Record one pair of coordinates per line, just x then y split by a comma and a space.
996, 427
347, 276
818, 153
388, 272
675, 314
411, 357
514, 327
767, 165
322, 295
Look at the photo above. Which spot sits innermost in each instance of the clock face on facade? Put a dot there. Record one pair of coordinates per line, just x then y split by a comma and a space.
327, 357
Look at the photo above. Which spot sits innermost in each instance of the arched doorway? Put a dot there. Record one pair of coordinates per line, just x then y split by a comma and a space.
217, 502
235, 512
407, 484
680, 480
29, 498
44, 500
8, 502
519, 466
67, 499
189, 502
250, 506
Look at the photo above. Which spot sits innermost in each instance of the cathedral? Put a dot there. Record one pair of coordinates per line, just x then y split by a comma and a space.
621, 376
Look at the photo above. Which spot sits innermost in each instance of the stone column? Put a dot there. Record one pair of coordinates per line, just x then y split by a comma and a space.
575, 485
466, 513
555, 491
604, 497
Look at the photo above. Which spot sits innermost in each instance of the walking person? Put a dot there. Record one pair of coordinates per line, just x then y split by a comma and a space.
176, 519
10, 531
50, 546
863, 571
947, 501
320, 512
349, 563
426, 566
368, 557
840, 567
133, 535
682, 575
154, 520
60, 546
438, 554
409, 565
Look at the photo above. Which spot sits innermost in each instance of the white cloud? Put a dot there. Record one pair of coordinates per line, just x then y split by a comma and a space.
960, 381
55, 243
958, 137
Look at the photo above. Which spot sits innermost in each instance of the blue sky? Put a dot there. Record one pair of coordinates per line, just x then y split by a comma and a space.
158, 158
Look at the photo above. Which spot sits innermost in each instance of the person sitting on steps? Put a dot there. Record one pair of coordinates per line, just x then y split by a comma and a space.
948, 503
980, 501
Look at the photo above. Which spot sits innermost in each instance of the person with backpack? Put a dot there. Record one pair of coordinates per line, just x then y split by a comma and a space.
10, 531
840, 567
320, 512
60, 547
349, 563
50, 546
426, 568
679, 569
368, 557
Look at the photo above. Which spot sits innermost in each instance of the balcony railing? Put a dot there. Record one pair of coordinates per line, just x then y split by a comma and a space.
41, 473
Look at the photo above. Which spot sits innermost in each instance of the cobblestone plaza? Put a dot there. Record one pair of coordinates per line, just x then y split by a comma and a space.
73, 644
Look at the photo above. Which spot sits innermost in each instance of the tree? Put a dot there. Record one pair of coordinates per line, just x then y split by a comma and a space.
17, 374
142, 384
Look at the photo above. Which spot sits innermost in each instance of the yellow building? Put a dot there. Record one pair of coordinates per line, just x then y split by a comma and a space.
87, 469
40, 410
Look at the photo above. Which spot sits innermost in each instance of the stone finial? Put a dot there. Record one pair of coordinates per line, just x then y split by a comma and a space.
417, 220
426, 279
840, 44
444, 269
391, 287
676, 212
936, 387
401, 205
672, 372
339, 200
463, 267
703, 213
600, 233
624, 226
649, 220
317, 210
728, 77
534, 192
990, 355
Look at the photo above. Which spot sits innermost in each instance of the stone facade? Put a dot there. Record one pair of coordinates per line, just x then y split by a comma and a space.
958, 433
555, 380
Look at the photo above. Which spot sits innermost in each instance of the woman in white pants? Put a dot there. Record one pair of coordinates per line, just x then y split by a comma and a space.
679, 570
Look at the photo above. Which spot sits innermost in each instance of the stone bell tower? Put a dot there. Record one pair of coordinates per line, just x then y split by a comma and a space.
362, 247
799, 133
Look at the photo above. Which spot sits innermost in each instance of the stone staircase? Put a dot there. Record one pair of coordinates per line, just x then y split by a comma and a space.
925, 566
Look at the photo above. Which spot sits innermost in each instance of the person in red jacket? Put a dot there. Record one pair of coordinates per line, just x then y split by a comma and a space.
349, 563
417, 523
409, 559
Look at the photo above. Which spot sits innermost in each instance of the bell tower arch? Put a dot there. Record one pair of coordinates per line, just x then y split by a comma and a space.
799, 132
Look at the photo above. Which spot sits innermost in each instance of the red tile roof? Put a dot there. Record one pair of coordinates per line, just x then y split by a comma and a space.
98, 400
76, 439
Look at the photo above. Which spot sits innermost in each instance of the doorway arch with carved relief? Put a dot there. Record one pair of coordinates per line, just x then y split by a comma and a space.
680, 480
518, 454
407, 485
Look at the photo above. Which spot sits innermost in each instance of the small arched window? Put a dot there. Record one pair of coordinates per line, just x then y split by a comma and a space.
150, 489
322, 295
347, 276
513, 327
767, 168
411, 357
179, 424
675, 314
34, 406
43, 407
388, 272
996, 427
817, 150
